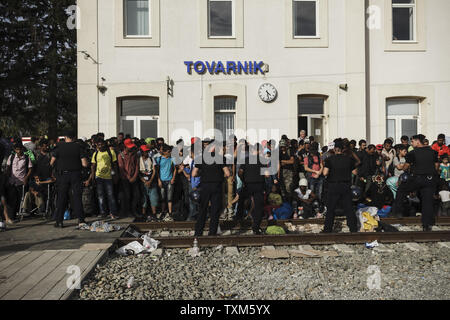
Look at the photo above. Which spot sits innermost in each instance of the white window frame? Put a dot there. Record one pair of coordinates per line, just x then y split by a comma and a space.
317, 36
137, 124
398, 124
125, 22
233, 20
405, 5
398, 118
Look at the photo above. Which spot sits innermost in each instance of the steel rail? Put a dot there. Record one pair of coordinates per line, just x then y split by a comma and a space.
296, 239
246, 224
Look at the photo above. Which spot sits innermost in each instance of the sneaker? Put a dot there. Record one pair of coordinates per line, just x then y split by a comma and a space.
258, 232
83, 226
427, 228
168, 218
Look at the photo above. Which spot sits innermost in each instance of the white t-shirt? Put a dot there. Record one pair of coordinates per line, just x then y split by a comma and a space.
397, 172
301, 195
445, 195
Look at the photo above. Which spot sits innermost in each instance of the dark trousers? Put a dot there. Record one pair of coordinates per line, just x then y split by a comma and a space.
336, 192
13, 198
129, 197
105, 194
425, 186
255, 191
69, 181
209, 192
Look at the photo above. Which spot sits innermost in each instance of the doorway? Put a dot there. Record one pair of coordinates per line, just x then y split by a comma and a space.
311, 116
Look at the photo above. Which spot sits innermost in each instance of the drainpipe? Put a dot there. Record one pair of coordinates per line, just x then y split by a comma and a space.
367, 62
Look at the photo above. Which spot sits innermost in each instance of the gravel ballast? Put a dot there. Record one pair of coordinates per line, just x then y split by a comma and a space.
404, 274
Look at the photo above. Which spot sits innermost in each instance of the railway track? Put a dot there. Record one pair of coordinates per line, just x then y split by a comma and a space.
287, 239
144, 227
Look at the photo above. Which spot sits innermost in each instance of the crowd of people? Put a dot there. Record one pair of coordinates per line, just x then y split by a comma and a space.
233, 179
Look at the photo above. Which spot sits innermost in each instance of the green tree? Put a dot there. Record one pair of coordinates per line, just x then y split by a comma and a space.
37, 67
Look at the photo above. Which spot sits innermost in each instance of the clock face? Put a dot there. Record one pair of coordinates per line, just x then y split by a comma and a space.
267, 92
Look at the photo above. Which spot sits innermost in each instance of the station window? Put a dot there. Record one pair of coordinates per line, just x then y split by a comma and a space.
137, 18
305, 18
404, 20
221, 18
224, 115
139, 117
401, 118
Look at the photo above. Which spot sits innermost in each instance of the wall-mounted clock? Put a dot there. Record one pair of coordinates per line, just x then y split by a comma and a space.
267, 92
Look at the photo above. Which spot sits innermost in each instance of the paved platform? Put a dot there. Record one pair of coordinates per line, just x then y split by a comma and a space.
37, 260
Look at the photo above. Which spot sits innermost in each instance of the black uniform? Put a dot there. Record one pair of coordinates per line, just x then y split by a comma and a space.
423, 179
68, 167
339, 182
253, 188
212, 177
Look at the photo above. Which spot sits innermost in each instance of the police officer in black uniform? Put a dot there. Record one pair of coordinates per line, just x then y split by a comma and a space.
70, 158
338, 170
424, 165
211, 169
253, 178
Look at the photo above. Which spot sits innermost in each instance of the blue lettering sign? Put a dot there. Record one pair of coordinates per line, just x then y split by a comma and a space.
237, 67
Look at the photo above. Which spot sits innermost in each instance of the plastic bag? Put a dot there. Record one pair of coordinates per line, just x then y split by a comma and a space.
367, 219
149, 243
132, 248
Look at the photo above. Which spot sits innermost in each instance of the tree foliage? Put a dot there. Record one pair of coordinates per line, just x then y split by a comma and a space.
37, 67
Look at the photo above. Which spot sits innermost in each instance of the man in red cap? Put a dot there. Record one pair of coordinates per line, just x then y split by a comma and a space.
128, 185
440, 147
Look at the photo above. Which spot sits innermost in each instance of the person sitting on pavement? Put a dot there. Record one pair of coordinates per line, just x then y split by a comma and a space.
304, 198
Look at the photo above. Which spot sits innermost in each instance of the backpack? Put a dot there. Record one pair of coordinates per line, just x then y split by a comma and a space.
283, 212
87, 199
109, 154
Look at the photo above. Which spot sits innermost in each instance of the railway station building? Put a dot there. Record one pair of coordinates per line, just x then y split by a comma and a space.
336, 68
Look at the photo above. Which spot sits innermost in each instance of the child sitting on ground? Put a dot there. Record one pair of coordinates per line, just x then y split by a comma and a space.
274, 201
444, 169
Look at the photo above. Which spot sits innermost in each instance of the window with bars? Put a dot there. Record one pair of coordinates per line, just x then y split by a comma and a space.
137, 18
220, 18
404, 20
305, 18
224, 115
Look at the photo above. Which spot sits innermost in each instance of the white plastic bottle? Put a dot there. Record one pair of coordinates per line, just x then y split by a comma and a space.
130, 282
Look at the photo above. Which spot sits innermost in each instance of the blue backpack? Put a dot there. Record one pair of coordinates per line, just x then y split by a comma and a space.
284, 212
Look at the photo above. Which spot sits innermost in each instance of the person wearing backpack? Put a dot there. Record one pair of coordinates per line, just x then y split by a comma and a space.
19, 169
388, 155
398, 164
314, 169
104, 164
286, 171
